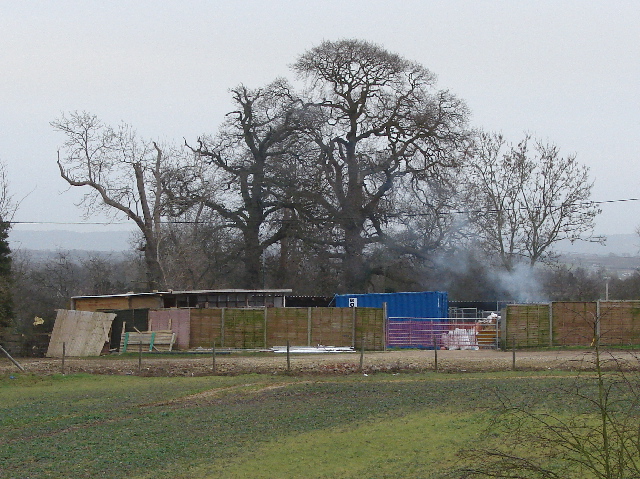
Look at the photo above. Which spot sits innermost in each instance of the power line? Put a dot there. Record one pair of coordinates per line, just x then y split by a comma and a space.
117, 223
68, 222
555, 207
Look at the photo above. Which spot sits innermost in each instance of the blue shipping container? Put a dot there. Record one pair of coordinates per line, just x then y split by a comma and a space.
424, 305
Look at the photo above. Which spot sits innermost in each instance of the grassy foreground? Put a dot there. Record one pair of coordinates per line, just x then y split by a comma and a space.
258, 426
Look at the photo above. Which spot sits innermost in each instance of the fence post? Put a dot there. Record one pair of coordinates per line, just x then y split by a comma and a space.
222, 327
288, 356
362, 343
213, 357
385, 326
513, 352
140, 357
504, 341
550, 324
17, 364
353, 327
435, 351
308, 326
265, 326
64, 353
597, 325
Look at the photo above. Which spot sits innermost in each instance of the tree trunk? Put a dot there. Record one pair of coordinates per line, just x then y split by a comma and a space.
355, 273
252, 258
155, 275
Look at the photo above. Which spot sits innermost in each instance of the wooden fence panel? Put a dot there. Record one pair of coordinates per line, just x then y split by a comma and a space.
527, 325
287, 324
370, 328
619, 323
244, 328
206, 327
333, 326
574, 322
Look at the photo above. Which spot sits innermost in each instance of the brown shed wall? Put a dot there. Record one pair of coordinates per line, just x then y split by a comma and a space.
96, 303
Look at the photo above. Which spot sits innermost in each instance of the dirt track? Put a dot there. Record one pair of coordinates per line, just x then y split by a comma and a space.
328, 363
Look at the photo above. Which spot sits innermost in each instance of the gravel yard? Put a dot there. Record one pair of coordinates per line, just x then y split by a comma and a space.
326, 363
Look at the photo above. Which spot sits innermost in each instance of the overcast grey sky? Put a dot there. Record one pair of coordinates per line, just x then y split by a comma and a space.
564, 71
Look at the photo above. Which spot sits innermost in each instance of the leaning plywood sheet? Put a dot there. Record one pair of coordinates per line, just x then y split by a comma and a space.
83, 333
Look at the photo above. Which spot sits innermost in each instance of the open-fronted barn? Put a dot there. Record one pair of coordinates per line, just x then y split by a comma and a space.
212, 298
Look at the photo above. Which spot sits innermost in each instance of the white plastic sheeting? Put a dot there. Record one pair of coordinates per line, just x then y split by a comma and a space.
460, 338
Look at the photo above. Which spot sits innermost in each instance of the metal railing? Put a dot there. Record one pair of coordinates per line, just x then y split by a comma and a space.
445, 333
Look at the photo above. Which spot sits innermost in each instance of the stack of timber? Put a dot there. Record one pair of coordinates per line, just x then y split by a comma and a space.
488, 336
150, 340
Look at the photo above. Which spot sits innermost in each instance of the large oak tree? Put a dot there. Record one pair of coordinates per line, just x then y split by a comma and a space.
251, 175
380, 118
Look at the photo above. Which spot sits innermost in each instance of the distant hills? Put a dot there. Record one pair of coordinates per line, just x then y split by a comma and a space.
620, 255
619, 245
117, 241
62, 240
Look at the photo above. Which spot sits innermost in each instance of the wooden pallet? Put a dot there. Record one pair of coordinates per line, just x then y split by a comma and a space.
150, 341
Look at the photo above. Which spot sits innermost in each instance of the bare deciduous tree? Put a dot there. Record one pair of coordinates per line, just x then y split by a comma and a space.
594, 433
524, 199
7, 209
253, 156
124, 176
381, 119
8, 205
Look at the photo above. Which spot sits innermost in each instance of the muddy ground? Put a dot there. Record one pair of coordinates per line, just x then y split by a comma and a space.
327, 363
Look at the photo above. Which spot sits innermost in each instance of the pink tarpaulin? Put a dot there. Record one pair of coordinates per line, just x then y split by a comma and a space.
176, 320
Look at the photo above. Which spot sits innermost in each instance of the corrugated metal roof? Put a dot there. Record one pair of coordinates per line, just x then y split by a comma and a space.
197, 291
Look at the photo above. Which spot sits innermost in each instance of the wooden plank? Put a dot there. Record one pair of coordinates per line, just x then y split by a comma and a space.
150, 339
83, 332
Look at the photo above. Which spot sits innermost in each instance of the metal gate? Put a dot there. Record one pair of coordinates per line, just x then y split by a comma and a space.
435, 333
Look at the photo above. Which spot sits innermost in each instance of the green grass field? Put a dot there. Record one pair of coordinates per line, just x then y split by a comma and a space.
256, 426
